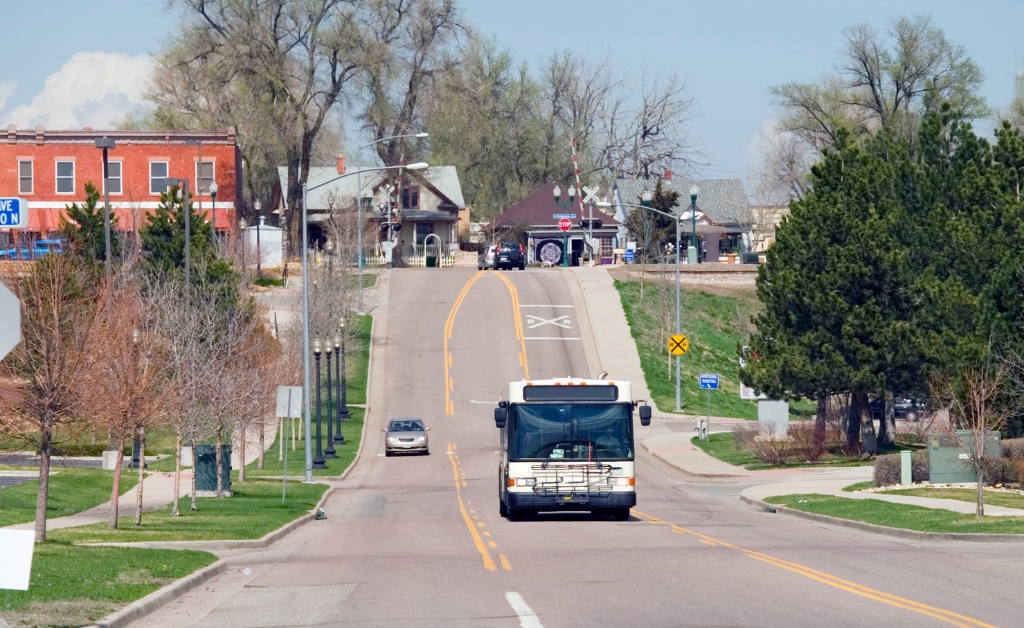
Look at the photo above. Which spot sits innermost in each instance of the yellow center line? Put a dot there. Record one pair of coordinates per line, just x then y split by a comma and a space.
486, 555
514, 293
943, 615
504, 562
449, 384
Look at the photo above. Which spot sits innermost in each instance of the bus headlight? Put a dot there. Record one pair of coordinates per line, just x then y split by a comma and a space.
621, 481
526, 481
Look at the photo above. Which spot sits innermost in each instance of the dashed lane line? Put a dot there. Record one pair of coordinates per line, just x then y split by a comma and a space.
527, 618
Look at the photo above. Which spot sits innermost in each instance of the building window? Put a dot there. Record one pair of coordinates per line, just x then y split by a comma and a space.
114, 176
411, 197
606, 246
25, 183
204, 176
423, 229
157, 174
65, 177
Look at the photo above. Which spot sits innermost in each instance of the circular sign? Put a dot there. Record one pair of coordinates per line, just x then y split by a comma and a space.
678, 344
550, 252
564, 224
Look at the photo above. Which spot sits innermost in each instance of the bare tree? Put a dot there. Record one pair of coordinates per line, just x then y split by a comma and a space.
57, 300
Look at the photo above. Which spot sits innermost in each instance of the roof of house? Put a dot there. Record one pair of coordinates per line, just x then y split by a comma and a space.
538, 210
723, 201
444, 179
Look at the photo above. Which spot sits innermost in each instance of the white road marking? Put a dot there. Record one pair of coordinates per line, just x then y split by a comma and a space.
558, 321
522, 306
450, 453
548, 338
527, 618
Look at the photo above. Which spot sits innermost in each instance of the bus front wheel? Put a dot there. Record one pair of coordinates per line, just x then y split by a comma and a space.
621, 514
502, 508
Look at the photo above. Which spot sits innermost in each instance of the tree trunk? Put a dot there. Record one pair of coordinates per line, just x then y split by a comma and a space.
853, 426
115, 493
979, 509
241, 456
868, 442
887, 426
218, 458
195, 459
177, 470
820, 416
263, 435
42, 495
142, 471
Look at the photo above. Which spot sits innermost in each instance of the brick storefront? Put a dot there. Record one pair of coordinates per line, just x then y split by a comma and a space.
49, 169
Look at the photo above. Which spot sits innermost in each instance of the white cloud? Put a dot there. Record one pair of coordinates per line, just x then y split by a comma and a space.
91, 89
6, 91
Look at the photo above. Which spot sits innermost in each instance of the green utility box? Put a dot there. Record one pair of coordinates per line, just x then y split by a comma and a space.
949, 463
205, 463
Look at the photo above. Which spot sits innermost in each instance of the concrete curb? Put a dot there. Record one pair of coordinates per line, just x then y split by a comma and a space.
885, 530
689, 472
161, 597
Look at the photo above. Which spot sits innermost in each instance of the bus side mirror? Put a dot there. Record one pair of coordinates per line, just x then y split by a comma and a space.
500, 416
645, 415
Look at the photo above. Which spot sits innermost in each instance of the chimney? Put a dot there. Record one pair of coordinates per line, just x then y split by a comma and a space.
341, 163
668, 177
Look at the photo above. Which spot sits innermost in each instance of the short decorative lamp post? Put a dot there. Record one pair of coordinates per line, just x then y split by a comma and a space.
691, 253
213, 203
259, 254
338, 437
329, 247
318, 460
329, 452
565, 209
339, 342
241, 239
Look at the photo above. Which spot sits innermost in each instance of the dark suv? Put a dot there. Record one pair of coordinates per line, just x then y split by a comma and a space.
510, 255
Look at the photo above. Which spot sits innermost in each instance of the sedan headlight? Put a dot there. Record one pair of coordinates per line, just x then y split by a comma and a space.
421, 439
392, 439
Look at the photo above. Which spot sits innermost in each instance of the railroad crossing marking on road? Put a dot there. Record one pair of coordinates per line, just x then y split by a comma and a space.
534, 322
678, 344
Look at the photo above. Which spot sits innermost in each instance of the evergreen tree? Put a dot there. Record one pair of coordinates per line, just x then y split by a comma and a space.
653, 231
83, 228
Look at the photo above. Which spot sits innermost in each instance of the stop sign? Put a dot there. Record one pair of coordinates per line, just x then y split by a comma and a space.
565, 224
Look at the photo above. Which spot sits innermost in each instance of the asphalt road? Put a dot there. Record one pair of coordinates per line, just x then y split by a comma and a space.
417, 541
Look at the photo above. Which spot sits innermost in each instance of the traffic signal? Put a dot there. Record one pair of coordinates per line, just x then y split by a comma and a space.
595, 224
592, 224
584, 223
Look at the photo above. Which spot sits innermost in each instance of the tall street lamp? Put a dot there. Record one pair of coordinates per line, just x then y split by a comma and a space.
691, 252
338, 436
305, 304
565, 209
106, 144
329, 248
213, 203
259, 253
645, 199
329, 452
342, 374
318, 461
359, 206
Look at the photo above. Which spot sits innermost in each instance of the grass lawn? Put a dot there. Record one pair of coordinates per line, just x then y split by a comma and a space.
272, 467
859, 486
71, 491
254, 510
899, 515
72, 586
357, 358
722, 446
712, 324
992, 498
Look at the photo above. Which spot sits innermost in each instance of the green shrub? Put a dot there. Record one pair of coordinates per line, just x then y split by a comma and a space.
1013, 448
266, 281
1003, 470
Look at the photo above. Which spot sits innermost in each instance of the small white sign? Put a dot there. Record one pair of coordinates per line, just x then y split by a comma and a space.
289, 402
964, 457
16, 547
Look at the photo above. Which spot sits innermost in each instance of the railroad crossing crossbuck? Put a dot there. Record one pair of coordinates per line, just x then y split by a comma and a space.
678, 344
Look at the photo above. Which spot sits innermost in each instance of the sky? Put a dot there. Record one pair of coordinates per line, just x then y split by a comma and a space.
75, 63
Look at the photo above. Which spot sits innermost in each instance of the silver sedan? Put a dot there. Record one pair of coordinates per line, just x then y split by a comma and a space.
406, 436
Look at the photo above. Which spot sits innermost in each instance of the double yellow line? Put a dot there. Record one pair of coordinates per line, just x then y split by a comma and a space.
449, 383
478, 541
940, 614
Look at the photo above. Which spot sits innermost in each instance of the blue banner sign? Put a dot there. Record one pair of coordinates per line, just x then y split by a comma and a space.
13, 213
709, 381
561, 216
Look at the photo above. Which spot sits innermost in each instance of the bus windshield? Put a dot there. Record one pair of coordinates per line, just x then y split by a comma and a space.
571, 432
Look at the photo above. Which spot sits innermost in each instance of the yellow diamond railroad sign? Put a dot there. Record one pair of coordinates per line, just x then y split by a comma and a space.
678, 344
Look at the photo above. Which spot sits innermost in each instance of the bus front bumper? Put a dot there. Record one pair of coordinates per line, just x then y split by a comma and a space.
571, 501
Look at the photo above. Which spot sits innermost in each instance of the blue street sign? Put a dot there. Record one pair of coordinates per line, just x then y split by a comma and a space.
709, 381
560, 216
13, 213
628, 256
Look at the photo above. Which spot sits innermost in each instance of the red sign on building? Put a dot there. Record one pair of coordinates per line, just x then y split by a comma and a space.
49, 169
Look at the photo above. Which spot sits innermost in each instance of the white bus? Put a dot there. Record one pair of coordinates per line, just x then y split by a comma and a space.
567, 444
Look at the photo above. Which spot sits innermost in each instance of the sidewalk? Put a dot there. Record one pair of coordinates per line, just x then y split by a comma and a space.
825, 485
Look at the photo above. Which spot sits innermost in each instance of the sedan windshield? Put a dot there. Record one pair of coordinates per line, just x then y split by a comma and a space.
571, 432
406, 426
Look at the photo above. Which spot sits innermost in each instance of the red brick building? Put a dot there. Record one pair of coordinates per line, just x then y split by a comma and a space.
49, 169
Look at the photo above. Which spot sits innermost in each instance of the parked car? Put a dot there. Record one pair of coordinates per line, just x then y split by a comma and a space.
485, 260
510, 255
406, 435
909, 408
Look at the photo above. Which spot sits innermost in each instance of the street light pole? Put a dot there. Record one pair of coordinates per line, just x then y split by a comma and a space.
342, 376
259, 218
338, 436
106, 143
329, 451
691, 254
565, 208
213, 205
318, 462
